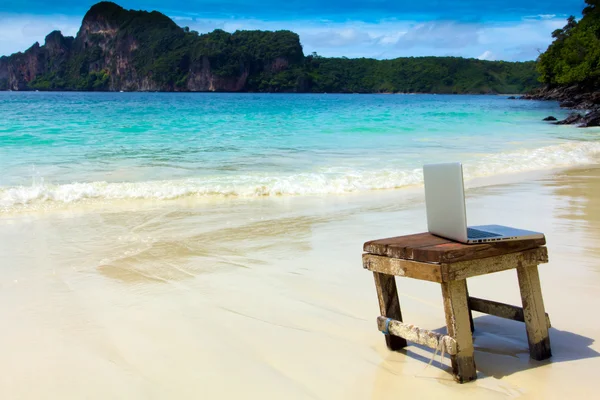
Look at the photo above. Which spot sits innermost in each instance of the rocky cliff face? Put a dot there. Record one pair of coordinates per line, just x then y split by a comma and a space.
20, 68
576, 97
116, 49
99, 35
201, 79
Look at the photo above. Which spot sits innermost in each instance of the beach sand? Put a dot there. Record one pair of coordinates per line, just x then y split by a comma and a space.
267, 298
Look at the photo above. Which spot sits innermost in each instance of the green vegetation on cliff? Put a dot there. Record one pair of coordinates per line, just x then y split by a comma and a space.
574, 55
118, 49
160, 51
419, 75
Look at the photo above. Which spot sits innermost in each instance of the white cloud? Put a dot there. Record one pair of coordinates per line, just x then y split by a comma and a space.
338, 38
441, 34
514, 34
486, 55
19, 32
517, 40
390, 38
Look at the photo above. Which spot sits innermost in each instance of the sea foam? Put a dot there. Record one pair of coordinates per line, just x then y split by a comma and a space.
324, 181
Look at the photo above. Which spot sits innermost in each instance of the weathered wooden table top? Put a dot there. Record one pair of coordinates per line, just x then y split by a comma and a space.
425, 247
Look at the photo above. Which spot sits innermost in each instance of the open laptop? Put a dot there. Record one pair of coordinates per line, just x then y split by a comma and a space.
446, 211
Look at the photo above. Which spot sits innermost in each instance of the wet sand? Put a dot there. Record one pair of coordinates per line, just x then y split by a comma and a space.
267, 299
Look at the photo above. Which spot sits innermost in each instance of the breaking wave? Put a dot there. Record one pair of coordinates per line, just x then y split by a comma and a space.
329, 181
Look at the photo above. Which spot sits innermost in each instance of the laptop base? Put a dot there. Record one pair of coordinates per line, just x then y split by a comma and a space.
501, 233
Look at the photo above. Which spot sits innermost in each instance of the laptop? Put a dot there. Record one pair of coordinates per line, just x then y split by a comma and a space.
446, 211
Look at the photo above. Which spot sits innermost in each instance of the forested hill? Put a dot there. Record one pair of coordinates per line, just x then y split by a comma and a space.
570, 68
420, 75
117, 49
573, 58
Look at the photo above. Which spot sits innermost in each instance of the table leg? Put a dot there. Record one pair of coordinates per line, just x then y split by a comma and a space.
389, 306
534, 312
470, 312
457, 321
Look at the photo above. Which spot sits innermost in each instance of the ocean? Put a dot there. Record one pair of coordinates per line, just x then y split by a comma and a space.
64, 149
166, 245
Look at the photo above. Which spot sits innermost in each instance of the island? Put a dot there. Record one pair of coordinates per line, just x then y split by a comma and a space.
126, 50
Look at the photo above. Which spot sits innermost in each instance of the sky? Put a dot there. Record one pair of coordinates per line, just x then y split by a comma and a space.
511, 30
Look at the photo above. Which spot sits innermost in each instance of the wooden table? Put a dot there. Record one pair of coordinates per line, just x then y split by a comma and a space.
431, 258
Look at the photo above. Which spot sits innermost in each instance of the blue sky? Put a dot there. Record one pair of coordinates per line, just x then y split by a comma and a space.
513, 30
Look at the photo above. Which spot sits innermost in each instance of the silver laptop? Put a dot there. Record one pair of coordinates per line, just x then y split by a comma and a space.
446, 211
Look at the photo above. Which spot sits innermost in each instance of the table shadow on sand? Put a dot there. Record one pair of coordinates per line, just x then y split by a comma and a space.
501, 348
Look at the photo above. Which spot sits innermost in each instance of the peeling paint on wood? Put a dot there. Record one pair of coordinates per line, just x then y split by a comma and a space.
534, 312
420, 336
467, 269
389, 306
431, 258
404, 268
426, 247
457, 322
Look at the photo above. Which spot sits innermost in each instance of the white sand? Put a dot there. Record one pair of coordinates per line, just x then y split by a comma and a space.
268, 299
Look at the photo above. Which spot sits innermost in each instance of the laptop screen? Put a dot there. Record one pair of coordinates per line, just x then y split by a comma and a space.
445, 200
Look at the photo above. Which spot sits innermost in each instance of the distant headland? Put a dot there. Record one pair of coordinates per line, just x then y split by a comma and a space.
126, 50
570, 68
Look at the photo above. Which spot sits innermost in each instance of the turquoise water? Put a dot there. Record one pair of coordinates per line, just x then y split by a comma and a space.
68, 148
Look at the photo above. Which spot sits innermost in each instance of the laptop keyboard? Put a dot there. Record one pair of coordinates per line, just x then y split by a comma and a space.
477, 234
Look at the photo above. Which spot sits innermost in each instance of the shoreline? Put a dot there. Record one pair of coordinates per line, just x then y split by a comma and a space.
180, 301
83, 167
276, 93
574, 97
410, 191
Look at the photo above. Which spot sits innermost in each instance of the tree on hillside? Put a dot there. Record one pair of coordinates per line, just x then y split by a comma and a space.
574, 55
140, 50
592, 4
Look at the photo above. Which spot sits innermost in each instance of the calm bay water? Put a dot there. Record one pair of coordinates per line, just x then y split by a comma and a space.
67, 148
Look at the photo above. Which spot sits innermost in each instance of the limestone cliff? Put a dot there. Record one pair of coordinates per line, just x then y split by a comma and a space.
117, 49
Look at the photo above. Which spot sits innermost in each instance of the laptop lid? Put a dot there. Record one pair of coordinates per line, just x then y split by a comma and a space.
445, 200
